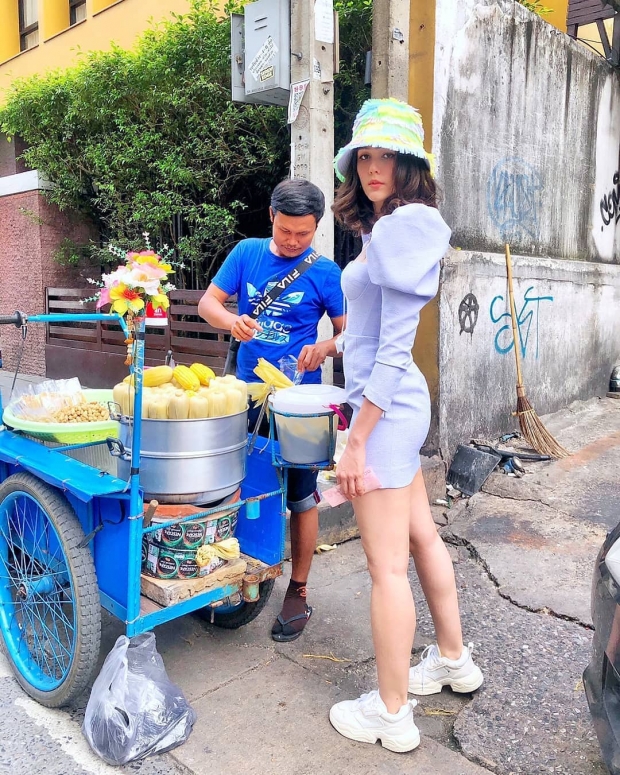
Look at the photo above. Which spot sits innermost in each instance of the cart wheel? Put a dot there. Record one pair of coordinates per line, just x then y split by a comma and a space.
50, 619
233, 617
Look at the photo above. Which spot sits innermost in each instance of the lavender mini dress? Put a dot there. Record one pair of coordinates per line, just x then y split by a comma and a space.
385, 294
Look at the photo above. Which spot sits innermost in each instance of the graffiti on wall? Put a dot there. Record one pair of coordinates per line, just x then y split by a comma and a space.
513, 197
527, 322
468, 313
610, 203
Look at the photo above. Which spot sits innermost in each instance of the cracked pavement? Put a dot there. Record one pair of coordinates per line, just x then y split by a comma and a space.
523, 552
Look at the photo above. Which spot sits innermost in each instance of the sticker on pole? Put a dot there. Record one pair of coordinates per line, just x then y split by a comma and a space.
324, 20
295, 97
264, 56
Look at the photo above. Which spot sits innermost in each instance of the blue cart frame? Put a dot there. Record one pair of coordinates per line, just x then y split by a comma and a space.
110, 512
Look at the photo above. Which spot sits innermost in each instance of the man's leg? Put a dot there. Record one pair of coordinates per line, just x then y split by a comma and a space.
302, 502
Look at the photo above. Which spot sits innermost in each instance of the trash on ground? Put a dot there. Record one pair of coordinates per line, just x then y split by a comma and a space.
134, 709
331, 657
470, 468
438, 712
325, 548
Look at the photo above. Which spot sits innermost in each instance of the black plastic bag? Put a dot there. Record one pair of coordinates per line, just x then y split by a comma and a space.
134, 709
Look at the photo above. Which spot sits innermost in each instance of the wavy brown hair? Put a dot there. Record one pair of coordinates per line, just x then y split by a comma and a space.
413, 183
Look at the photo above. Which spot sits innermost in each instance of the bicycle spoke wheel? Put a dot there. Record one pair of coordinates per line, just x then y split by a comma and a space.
49, 607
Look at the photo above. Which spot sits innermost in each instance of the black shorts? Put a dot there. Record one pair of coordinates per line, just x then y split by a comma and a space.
302, 493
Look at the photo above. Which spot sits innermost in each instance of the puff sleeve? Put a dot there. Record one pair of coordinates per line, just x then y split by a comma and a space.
404, 257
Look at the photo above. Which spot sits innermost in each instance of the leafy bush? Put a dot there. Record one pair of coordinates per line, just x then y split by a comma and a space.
536, 6
148, 139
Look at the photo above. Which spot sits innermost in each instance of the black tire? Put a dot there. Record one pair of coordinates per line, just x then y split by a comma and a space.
246, 612
83, 601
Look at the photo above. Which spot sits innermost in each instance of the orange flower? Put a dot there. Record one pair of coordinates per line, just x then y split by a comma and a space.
124, 299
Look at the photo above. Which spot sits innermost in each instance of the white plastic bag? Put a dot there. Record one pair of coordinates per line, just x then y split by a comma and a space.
134, 709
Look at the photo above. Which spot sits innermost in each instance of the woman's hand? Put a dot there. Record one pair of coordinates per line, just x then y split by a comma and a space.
244, 328
350, 471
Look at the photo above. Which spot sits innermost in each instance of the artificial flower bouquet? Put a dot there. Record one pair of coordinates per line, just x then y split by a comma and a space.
141, 279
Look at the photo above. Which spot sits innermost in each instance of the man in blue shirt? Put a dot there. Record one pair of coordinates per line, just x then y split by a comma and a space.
289, 326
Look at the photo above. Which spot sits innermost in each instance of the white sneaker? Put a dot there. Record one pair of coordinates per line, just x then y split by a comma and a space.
434, 672
367, 720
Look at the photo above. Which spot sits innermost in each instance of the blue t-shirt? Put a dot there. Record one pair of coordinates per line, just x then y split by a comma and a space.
291, 321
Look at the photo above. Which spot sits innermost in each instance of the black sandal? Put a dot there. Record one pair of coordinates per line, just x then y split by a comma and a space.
281, 635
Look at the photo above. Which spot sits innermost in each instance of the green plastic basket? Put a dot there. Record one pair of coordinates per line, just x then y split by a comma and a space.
67, 433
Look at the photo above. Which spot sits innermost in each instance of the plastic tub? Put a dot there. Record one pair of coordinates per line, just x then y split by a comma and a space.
305, 439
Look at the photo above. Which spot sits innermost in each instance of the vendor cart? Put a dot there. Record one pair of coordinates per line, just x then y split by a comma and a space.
71, 539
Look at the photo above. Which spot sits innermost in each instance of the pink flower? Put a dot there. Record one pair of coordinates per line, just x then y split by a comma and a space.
145, 272
104, 298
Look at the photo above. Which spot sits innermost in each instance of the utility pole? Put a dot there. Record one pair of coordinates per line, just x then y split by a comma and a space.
390, 49
312, 132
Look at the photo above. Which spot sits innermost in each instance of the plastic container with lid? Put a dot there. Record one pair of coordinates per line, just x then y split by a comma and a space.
305, 439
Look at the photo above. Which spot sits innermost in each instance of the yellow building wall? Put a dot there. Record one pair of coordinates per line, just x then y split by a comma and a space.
9, 30
557, 17
589, 35
120, 21
421, 80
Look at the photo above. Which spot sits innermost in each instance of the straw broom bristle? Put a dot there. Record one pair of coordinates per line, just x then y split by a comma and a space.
533, 429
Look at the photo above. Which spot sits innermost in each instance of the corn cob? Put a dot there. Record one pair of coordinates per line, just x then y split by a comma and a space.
158, 375
186, 378
198, 406
158, 408
178, 406
217, 404
270, 375
204, 373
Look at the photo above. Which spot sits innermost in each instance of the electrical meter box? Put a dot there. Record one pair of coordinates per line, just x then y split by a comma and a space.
261, 52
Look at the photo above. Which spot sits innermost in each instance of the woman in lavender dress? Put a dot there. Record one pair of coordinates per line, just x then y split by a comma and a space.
388, 196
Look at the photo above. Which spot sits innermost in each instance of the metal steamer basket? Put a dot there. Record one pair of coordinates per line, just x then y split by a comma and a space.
187, 461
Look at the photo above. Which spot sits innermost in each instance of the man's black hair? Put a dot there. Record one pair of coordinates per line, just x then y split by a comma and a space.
298, 197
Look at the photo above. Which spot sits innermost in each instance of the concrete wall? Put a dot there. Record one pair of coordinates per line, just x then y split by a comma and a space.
518, 109
526, 126
569, 326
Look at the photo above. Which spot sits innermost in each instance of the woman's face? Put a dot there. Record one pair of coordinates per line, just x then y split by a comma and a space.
376, 168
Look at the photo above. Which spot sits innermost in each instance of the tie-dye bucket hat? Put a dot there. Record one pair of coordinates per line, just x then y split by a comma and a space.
385, 123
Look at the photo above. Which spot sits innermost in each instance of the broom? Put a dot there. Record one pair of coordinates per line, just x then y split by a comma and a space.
531, 425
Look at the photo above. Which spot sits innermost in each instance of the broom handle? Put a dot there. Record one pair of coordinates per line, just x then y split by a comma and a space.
513, 316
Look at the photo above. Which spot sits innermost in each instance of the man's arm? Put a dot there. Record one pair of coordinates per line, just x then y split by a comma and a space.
212, 309
313, 355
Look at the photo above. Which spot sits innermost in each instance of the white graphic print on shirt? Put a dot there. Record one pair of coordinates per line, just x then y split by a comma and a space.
274, 330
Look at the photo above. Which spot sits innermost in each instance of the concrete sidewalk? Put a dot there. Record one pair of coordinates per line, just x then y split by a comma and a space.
523, 553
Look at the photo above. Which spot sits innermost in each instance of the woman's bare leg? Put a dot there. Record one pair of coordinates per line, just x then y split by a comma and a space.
435, 571
383, 518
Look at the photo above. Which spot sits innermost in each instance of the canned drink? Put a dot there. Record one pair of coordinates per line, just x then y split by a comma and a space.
160, 563
169, 536
167, 566
188, 568
193, 535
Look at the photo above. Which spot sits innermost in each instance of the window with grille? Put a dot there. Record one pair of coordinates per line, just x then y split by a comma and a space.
77, 11
28, 24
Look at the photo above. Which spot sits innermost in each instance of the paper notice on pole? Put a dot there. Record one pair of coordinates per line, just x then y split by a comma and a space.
263, 57
295, 97
324, 20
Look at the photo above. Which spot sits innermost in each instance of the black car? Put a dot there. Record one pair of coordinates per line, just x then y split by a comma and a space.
602, 676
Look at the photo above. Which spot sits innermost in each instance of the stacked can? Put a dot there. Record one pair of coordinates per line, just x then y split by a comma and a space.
170, 552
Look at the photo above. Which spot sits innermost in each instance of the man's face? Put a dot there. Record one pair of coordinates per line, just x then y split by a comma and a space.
292, 234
